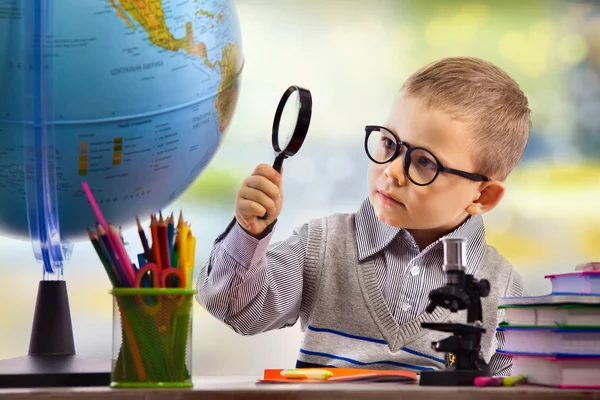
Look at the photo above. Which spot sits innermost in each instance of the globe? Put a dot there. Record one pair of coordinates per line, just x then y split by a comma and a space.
131, 96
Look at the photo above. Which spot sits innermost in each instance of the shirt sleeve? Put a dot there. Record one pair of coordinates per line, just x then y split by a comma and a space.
501, 365
251, 285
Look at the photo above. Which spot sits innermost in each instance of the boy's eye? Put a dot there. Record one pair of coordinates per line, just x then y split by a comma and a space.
426, 162
387, 142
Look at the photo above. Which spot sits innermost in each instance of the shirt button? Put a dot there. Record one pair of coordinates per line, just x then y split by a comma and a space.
415, 270
405, 307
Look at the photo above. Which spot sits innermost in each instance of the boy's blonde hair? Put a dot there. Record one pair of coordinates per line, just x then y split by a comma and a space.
484, 96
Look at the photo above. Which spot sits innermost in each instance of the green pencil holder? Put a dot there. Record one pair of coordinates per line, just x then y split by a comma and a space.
152, 338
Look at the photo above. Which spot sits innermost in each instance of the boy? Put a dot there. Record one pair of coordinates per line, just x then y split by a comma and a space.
360, 282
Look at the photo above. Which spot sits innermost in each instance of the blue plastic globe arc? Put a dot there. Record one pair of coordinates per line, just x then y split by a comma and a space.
131, 96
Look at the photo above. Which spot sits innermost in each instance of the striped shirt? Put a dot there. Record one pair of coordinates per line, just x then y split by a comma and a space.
254, 286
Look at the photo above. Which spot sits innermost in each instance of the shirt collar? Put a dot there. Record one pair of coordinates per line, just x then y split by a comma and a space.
372, 236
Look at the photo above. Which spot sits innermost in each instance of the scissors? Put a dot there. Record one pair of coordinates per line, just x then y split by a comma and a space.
159, 307
157, 278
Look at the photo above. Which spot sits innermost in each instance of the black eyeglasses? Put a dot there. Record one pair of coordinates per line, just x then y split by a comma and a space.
420, 165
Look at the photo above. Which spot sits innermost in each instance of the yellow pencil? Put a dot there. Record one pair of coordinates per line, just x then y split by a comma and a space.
182, 245
191, 255
180, 222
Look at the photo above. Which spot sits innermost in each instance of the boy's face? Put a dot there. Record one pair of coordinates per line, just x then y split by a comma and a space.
445, 203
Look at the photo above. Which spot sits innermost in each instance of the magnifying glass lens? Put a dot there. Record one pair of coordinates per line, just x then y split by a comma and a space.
290, 124
289, 120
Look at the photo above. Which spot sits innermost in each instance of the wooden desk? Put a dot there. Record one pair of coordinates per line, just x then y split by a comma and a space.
209, 388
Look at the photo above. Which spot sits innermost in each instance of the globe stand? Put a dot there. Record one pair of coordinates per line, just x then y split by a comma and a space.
52, 360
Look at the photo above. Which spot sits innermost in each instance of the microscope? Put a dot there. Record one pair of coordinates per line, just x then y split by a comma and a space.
462, 291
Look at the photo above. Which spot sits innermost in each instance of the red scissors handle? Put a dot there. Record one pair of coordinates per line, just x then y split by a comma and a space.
159, 278
148, 271
167, 274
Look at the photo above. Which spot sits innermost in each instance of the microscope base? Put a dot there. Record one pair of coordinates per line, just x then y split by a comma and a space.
450, 377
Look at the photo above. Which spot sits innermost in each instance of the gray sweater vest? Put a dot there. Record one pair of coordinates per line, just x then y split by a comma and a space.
346, 322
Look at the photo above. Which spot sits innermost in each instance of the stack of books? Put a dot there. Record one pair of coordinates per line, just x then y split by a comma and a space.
555, 339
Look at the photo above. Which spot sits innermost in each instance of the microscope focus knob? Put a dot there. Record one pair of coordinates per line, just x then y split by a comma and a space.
484, 287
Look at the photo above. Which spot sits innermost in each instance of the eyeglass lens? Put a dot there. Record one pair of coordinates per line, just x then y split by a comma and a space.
381, 146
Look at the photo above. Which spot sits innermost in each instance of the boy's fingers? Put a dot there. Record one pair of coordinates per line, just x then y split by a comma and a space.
248, 193
251, 208
263, 184
268, 172
260, 194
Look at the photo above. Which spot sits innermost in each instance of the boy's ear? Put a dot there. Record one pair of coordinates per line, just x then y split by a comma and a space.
490, 194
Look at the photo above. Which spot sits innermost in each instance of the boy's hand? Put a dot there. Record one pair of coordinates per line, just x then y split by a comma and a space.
260, 193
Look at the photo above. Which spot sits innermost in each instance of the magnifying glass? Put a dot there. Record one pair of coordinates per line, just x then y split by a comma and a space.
290, 125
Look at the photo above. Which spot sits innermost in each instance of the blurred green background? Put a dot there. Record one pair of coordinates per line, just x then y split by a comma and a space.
353, 56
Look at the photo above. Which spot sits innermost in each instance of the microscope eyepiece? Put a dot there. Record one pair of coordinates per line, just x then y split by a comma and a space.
454, 249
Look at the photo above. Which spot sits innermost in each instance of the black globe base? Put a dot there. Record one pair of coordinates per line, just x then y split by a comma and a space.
53, 371
51, 361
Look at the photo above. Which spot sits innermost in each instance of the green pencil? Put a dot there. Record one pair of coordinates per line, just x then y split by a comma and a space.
103, 259
175, 259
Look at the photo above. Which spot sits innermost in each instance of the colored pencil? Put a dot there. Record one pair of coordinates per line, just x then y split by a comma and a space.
163, 242
106, 246
123, 263
94, 205
124, 260
180, 222
141, 259
191, 261
175, 260
144, 240
182, 245
171, 234
155, 242
131, 339
103, 258
184, 252
173, 246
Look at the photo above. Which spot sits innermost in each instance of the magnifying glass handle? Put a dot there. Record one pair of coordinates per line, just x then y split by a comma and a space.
277, 167
278, 163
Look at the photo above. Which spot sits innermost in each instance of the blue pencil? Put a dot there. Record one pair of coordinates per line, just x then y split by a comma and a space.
170, 235
106, 246
141, 259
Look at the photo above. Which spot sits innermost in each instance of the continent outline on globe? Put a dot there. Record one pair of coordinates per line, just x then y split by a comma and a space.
149, 14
